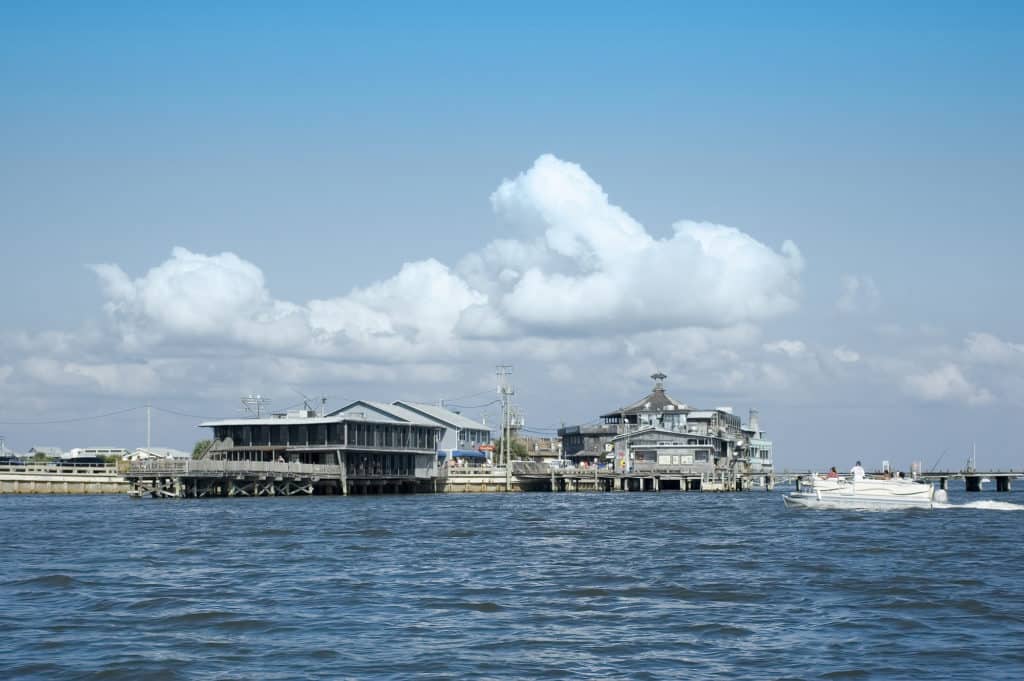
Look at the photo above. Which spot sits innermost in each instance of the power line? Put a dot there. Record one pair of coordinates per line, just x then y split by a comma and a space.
466, 397
493, 401
72, 420
179, 413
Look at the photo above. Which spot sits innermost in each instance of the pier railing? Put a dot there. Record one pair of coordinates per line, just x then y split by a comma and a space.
165, 467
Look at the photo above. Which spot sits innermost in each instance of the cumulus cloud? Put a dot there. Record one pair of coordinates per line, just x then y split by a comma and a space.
585, 266
846, 355
946, 383
989, 349
580, 266
223, 297
859, 294
790, 348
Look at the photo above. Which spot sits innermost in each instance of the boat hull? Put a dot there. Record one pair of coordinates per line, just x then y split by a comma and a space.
865, 495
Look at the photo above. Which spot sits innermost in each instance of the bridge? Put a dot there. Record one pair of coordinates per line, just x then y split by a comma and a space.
972, 479
57, 477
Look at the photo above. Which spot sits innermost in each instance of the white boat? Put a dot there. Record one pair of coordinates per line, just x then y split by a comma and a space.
865, 494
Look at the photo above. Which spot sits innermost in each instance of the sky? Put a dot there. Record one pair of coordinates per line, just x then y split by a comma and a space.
812, 211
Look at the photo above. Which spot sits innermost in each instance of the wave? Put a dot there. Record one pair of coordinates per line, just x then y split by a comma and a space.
989, 505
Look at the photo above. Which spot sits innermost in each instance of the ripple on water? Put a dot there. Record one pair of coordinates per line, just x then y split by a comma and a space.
505, 587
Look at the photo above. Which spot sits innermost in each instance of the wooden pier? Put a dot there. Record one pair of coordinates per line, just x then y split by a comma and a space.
217, 478
214, 478
651, 478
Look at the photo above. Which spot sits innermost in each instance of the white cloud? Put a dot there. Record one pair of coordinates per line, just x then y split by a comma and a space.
859, 294
946, 383
790, 348
109, 378
582, 267
588, 267
989, 349
846, 355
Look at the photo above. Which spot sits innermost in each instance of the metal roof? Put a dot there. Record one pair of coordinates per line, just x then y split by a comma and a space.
370, 416
443, 415
386, 412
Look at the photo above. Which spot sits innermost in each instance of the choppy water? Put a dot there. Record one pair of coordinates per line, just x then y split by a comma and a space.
639, 586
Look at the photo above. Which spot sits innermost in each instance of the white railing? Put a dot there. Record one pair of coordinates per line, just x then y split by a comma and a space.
185, 466
60, 469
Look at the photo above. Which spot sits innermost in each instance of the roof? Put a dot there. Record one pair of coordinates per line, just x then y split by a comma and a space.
162, 452
369, 413
443, 415
657, 400
678, 434
383, 411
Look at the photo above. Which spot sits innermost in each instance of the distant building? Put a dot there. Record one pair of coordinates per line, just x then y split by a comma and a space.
149, 453
95, 452
658, 431
543, 449
48, 452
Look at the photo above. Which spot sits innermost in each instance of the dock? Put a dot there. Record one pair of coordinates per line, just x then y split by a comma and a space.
201, 478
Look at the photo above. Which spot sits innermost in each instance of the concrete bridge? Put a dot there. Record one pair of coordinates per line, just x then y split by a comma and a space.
31, 477
972, 479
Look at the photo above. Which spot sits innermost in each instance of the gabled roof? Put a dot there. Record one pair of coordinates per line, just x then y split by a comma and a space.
442, 415
382, 411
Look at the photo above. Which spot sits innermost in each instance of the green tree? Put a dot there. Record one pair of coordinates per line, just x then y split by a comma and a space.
199, 451
519, 450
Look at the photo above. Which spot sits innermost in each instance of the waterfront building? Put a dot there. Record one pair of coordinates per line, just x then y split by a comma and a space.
659, 432
366, 439
156, 453
95, 452
460, 433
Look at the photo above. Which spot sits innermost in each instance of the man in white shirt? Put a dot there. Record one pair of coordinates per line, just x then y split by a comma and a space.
858, 472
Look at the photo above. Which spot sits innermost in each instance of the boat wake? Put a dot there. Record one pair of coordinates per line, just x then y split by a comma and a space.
985, 505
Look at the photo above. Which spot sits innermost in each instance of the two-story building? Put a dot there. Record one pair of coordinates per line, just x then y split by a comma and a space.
659, 432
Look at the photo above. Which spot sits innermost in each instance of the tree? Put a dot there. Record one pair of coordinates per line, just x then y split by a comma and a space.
519, 450
199, 451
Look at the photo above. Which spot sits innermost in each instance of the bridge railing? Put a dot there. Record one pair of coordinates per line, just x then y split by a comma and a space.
32, 467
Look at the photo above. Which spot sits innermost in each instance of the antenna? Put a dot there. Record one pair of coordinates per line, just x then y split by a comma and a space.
307, 402
503, 371
253, 404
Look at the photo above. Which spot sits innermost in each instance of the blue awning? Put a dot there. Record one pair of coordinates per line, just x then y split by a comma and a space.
463, 454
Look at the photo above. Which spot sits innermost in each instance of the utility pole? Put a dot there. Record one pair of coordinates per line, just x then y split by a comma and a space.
505, 392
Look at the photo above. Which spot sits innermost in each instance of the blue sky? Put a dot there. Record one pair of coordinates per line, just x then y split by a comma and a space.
327, 147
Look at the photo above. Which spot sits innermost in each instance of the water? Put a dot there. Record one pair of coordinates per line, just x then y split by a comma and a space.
637, 586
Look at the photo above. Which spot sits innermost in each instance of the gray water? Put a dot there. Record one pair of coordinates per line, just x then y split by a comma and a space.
516, 586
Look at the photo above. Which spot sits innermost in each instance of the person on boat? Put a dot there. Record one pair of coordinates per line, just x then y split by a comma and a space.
832, 473
858, 472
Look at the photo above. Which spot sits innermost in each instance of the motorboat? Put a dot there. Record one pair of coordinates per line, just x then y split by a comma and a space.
872, 494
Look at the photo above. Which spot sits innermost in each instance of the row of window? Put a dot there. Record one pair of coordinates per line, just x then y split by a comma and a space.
358, 434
